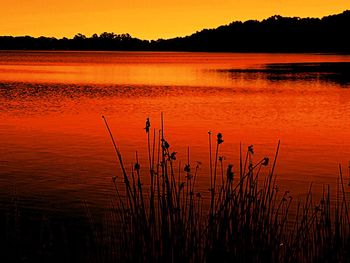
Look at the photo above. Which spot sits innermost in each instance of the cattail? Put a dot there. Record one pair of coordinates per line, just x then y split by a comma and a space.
148, 125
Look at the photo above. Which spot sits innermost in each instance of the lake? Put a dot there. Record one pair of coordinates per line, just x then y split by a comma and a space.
56, 151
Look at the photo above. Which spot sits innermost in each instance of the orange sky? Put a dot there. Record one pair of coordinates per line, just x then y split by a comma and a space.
147, 19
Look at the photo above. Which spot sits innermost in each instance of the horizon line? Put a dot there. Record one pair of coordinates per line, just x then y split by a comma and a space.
150, 40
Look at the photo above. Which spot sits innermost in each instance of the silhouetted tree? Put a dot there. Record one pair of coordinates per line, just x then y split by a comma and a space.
274, 34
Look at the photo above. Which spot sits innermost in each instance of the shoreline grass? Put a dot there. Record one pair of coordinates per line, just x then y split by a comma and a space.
242, 217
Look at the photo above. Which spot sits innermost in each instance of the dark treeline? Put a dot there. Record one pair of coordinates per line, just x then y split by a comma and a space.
275, 34
104, 41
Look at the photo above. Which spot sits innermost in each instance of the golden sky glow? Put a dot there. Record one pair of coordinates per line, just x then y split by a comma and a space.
146, 19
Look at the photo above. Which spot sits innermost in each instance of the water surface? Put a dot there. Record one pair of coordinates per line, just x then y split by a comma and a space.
55, 151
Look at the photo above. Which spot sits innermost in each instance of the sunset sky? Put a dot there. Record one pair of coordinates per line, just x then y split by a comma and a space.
146, 19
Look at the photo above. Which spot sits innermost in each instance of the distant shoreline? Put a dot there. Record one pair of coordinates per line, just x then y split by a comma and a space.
276, 34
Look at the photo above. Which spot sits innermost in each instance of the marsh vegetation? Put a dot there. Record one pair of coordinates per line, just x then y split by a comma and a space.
243, 217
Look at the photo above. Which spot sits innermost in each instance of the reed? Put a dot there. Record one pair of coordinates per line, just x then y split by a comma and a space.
242, 218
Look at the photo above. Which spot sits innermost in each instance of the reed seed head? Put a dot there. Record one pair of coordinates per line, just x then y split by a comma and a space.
165, 144
220, 140
251, 149
265, 161
187, 168
173, 156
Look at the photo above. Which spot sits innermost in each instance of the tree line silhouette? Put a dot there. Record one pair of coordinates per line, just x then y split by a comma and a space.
274, 34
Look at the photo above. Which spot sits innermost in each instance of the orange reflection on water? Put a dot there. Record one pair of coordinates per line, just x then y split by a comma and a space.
139, 68
54, 142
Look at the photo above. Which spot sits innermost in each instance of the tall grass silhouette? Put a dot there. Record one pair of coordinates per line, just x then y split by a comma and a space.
242, 217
